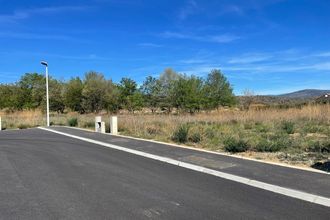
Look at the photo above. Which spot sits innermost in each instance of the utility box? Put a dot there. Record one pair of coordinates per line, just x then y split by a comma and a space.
114, 125
99, 125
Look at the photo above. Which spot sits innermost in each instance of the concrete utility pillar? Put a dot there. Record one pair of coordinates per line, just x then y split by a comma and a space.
98, 121
113, 125
99, 125
0, 124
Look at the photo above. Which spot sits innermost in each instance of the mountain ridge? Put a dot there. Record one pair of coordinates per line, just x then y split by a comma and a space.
304, 94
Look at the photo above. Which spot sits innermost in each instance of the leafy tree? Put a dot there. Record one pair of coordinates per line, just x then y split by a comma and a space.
167, 80
131, 98
151, 89
134, 102
218, 91
188, 93
73, 95
112, 97
93, 92
9, 97
56, 96
33, 90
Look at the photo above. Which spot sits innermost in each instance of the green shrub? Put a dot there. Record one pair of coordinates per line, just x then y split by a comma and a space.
234, 145
288, 127
209, 133
261, 128
195, 137
319, 146
89, 124
248, 126
181, 134
266, 145
73, 122
23, 126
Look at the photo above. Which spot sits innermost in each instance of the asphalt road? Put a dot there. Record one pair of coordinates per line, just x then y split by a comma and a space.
48, 176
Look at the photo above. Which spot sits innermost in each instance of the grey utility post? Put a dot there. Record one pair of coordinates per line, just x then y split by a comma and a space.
0, 124
47, 95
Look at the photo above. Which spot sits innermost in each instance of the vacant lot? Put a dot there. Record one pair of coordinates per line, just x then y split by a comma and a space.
295, 135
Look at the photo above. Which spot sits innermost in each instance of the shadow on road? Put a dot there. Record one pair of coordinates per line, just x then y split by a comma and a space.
325, 166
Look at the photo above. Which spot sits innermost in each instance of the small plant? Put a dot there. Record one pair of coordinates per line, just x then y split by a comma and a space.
23, 126
209, 133
195, 137
319, 146
288, 127
73, 122
89, 125
235, 146
266, 145
180, 135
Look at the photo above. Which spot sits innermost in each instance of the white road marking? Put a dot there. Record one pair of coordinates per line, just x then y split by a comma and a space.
320, 200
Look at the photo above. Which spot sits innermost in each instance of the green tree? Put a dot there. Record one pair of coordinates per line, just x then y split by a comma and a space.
151, 89
9, 97
188, 93
218, 91
130, 97
167, 80
56, 96
93, 92
74, 94
33, 90
112, 97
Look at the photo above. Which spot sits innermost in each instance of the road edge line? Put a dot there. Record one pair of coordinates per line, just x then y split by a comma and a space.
316, 199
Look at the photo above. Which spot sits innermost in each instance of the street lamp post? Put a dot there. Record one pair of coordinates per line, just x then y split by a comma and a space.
47, 95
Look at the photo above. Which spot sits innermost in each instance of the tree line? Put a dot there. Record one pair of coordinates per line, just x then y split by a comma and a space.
94, 93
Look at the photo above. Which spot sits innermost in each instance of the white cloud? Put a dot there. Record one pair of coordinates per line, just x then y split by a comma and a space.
250, 58
27, 13
221, 38
189, 8
150, 45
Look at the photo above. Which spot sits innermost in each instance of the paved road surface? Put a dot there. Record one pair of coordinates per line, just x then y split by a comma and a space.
49, 176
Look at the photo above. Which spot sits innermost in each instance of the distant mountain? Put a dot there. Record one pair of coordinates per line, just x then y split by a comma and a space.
304, 94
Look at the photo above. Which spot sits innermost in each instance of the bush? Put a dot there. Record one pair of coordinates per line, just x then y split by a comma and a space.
209, 133
319, 146
23, 126
233, 145
288, 127
89, 124
181, 134
268, 146
195, 137
73, 122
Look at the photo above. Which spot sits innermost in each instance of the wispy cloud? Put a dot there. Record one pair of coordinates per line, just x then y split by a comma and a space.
151, 45
221, 38
188, 9
323, 54
27, 13
32, 36
250, 58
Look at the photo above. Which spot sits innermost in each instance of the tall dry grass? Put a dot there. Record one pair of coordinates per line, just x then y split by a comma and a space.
138, 122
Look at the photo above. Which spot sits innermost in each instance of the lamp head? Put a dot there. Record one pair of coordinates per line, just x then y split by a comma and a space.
44, 63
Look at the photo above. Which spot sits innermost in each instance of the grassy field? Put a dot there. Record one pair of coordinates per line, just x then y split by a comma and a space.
297, 135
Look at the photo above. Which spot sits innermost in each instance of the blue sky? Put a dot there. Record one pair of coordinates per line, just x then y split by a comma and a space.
268, 46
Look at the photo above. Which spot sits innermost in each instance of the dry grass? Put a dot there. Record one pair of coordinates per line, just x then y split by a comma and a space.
304, 145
